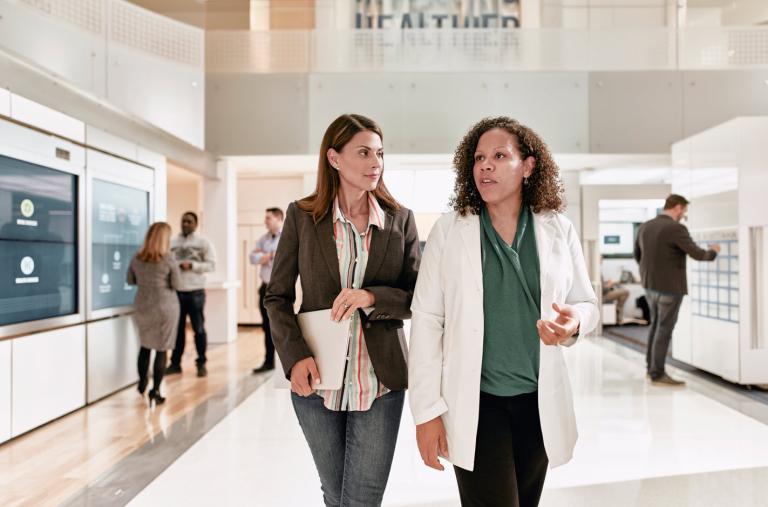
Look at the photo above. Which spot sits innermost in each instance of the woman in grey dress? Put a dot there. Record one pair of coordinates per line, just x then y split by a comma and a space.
156, 304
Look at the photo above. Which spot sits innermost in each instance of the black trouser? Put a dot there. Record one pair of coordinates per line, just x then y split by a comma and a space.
664, 310
510, 460
192, 304
269, 358
158, 370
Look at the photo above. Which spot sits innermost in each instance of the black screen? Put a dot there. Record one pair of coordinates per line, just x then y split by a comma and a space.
120, 218
38, 242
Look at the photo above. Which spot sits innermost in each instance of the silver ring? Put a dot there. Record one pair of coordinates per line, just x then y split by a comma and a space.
346, 306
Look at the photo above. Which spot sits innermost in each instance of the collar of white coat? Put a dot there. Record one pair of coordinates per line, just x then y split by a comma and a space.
545, 227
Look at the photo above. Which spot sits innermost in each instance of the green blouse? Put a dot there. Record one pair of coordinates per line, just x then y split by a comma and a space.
511, 307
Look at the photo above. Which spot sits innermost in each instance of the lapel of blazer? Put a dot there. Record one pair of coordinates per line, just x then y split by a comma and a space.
470, 234
324, 232
378, 249
546, 230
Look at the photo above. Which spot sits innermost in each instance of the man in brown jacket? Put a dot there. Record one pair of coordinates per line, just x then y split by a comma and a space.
661, 247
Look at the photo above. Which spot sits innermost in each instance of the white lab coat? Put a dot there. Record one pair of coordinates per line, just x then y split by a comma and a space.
446, 344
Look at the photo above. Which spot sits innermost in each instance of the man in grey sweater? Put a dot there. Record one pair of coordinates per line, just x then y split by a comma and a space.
196, 257
661, 247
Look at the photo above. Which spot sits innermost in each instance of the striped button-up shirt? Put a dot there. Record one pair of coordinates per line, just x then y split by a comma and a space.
361, 385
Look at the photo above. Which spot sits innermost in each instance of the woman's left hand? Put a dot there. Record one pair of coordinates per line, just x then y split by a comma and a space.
348, 301
563, 327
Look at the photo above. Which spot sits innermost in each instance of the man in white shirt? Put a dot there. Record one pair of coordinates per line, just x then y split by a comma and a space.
263, 255
196, 257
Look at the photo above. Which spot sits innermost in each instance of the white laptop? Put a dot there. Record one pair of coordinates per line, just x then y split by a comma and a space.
328, 341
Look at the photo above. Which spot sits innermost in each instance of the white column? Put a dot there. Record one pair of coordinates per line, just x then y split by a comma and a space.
219, 225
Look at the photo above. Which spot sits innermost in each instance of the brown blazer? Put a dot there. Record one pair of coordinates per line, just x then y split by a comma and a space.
308, 251
661, 247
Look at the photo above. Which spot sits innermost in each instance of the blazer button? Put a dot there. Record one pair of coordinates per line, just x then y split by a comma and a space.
367, 325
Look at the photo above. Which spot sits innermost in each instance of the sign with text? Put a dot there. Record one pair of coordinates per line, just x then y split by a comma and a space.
404, 14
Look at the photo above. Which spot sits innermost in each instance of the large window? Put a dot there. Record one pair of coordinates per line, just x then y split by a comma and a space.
120, 218
38, 242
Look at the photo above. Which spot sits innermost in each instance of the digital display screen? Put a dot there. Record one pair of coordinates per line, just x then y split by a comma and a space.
38, 242
119, 219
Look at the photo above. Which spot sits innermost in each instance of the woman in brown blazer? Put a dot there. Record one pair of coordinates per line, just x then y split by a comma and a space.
354, 248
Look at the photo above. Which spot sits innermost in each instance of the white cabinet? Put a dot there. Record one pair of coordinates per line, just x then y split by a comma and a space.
48, 376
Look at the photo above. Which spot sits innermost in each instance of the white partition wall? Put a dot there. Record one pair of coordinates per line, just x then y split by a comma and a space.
48, 376
722, 171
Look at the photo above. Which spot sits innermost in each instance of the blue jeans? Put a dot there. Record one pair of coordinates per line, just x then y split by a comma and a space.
352, 451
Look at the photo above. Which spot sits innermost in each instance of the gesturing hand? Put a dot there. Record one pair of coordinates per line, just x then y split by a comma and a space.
348, 301
431, 438
563, 327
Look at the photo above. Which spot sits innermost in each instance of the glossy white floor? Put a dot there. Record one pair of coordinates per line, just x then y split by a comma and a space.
639, 445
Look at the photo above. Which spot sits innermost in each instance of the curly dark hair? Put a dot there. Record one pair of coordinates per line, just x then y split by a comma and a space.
544, 191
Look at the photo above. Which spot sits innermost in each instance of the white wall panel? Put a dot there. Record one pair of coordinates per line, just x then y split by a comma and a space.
38, 147
48, 376
713, 97
555, 105
102, 165
157, 71
5, 390
97, 138
5, 102
164, 93
113, 346
68, 40
43, 117
265, 114
378, 96
634, 112
438, 109
431, 112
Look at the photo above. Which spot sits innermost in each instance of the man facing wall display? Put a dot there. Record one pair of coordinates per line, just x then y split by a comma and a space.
661, 247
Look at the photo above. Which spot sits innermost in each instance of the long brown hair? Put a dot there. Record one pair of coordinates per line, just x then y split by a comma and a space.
156, 243
544, 191
338, 134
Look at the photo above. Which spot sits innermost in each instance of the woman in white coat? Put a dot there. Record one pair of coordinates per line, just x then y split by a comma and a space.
502, 286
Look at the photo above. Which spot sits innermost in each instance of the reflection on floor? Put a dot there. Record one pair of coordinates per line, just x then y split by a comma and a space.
52, 463
636, 338
640, 445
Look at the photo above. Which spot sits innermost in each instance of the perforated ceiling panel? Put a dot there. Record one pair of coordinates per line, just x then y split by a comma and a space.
149, 32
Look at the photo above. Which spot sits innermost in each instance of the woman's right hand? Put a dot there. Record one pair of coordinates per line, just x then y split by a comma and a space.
431, 438
302, 373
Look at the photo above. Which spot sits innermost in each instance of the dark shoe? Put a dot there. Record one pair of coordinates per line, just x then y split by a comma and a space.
142, 386
666, 380
154, 397
263, 368
172, 369
201, 371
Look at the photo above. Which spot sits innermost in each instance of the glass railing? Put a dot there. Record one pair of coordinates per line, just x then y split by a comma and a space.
467, 50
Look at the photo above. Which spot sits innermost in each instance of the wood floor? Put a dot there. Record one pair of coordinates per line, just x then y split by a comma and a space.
50, 464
